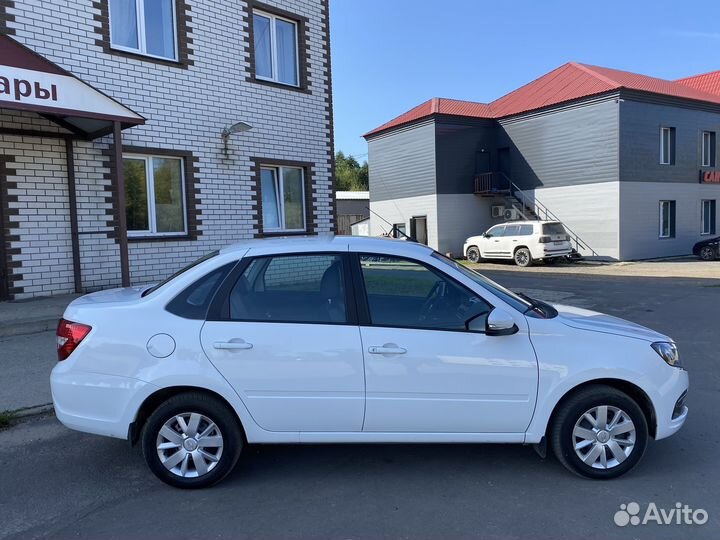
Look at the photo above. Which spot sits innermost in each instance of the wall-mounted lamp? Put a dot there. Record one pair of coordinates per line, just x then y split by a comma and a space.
235, 128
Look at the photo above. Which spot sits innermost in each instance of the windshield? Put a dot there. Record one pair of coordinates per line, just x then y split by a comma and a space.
504, 294
553, 228
179, 272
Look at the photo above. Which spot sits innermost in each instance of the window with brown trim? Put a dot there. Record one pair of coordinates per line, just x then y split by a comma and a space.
277, 47
284, 197
160, 194
152, 30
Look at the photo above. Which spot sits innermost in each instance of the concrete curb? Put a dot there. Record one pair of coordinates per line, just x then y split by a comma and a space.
28, 412
28, 326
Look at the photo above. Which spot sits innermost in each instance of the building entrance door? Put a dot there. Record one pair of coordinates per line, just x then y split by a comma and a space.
418, 229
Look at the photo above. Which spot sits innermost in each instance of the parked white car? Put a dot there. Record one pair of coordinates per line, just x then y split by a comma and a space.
522, 241
356, 340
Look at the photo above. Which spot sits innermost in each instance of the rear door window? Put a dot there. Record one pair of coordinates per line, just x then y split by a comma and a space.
512, 230
291, 288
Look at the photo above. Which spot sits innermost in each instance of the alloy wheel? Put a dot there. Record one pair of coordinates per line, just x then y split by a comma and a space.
189, 445
604, 437
522, 258
707, 253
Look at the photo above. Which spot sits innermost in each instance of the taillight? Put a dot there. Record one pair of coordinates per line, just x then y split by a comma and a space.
69, 336
544, 239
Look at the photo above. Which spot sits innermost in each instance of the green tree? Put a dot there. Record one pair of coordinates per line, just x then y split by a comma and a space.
351, 176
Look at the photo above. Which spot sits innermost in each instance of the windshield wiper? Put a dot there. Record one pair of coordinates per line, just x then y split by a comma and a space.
534, 304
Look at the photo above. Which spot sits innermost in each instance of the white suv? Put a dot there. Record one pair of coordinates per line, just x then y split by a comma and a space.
522, 241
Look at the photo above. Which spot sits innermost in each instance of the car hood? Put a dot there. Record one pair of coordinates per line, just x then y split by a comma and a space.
584, 319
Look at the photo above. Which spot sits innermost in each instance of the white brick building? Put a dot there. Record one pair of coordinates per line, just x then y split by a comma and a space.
191, 69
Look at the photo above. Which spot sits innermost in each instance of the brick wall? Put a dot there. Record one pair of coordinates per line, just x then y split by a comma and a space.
186, 109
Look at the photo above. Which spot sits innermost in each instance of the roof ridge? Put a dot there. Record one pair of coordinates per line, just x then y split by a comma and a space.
588, 69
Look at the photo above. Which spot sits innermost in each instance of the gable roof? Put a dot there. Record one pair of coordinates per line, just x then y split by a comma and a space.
707, 82
569, 82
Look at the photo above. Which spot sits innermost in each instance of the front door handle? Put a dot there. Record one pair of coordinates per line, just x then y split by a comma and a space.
232, 345
387, 349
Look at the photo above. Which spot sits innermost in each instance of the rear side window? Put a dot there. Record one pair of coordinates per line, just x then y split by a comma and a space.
553, 228
525, 230
194, 301
291, 288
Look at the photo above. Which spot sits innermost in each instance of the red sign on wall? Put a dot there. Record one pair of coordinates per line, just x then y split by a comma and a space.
710, 177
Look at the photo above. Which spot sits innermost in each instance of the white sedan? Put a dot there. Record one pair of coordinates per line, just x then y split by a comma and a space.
356, 340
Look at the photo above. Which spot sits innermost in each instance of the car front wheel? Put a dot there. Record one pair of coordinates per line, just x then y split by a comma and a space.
599, 433
707, 253
192, 440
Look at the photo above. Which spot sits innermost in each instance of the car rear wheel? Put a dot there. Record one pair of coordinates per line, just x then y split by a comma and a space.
707, 253
192, 440
523, 257
473, 254
599, 433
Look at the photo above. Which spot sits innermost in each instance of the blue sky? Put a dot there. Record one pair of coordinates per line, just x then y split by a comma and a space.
390, 55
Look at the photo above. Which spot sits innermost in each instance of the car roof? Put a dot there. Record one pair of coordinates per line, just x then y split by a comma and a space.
328, 242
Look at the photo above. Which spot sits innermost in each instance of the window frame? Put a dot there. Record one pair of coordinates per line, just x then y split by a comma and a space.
273, 48
671, 145
280, 192
712, 219
363, 303
151, 232
672, 218
708, 160
219, 310
142, 40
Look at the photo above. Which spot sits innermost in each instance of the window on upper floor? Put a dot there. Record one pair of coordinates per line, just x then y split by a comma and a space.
283, 199
275, 41
708, 216
708, 149
667, 146
146, 27
154, 195
667, 219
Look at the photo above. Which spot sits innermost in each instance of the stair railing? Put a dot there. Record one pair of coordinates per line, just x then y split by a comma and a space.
544, 213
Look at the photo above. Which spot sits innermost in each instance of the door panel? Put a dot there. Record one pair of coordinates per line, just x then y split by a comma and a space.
457, 382
423, 371
492, 247
295, 377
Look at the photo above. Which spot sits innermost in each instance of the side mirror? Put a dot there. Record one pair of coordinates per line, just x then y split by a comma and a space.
500, 323
486, 235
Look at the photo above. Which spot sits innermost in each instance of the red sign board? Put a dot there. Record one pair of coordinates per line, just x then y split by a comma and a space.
710, 177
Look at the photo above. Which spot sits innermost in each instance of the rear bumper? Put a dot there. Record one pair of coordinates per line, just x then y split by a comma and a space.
97, 403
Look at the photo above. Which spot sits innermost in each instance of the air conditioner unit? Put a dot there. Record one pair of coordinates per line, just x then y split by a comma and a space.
511, 213
497, 210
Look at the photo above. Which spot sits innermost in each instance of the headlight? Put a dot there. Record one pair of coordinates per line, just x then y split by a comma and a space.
668, 352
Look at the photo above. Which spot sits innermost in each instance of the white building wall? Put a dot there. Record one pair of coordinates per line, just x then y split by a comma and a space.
592, 211
461, 216
400, 211
186, 110
640, 218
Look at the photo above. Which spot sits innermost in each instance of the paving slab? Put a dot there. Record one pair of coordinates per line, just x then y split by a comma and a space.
33, 315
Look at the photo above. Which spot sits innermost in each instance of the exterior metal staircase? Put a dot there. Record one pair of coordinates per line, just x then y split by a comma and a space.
498, 184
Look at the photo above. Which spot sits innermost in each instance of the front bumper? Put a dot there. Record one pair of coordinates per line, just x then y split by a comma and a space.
97, 403
672, 412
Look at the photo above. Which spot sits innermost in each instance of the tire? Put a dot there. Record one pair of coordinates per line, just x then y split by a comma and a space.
202, 409
473, 254
707, 253
630, 444
522, 257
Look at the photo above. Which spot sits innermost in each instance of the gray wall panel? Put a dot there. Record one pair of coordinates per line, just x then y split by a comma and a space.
572, 146
640, 141
402, 163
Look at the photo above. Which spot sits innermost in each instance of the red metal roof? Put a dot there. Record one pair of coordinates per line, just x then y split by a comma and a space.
707, 82
569, 82
437, 106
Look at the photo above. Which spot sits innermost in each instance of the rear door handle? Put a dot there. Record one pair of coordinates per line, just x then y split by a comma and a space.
232, 345
386, 349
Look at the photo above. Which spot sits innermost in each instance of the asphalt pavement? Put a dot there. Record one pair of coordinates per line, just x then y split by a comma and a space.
56, 483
